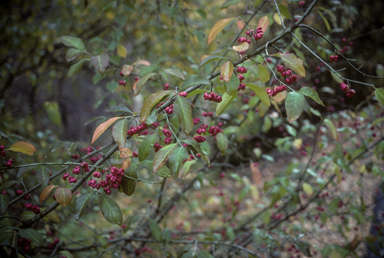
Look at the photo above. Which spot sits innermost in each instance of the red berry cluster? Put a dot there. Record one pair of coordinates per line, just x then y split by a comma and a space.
95, 159
75, 156
348, 92
34, 208
167, 134
212, 97
241, 39
137, 78
196, 120
275, 91
258, 34
214, 130
333, 58
2, 151
183, 94
157, 146
143, 250
134, 130
199, 138
53, 244
25, 243
301, 3
112, 179
122, 83
169, 110
202, 129
205, 114
9, 163
286, 73
166, 86
241, 86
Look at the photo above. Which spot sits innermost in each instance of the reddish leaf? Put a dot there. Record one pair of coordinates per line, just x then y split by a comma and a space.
263, 23
127, 69
150, 102
125, 153
63, 196
256, 175
23, 147
226, 71
142, 62
217, 28
47, 190
240, 24
126, 164
101, 128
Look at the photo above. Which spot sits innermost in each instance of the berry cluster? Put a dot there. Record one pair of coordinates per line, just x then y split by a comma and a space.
301, 3
166, 86
241, 40
167, 134
112, 180
275, 91
134, 130
333, 58
183, 94
53, 244
212, 97
20, 192
2, 151
157, 146
9, 163
199, 138
348, 92
25, 243
202, 129
34, 208
169, 110
75, 156
258, 34
214, 130
285, 73
196, 120
122, 83
241, 86
205, 114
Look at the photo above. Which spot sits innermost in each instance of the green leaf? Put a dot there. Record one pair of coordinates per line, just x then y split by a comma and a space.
100, 62
292, 62
231, 130
150, 102
263, 73
194, 80
72, 42
186, 168
260, 93
66, 254
111, 210
81, 203
227, 99
164, 172
119, 132
6, 236
325, 21
53, 111
127, 184
175, 72
142, 81
196, 148
222, 143
209, 59
7, 184
72, 54
75, 68
162, 156
118, 108
42, 176
379, 94
309, 92
183, 110
229, 3
4, 201
307, 189
284, 11
63, 196
294, 104
196, 92
32, 235
331, 128
155, 229
176, 160
336, 78
146, 146
232, 86
333, 205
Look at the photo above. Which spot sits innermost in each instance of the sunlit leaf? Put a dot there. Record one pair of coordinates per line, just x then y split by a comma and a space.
227, 99
126, 70
217, 28
232, 86
222, 142
122, 51
150, 102
307, 189
379, 94
260, 93
101, 128
142, 62
284, 11
23, 147
242, 47
263, 73
226, 71
63, 196
309, 92
186, 168
292, 62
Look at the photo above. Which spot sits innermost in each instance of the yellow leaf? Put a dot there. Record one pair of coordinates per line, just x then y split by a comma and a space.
217, 28
276, 17
23, 147
307, 189
226, 71
297, 143
121, 51
242, 47
142, 62
292, 62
